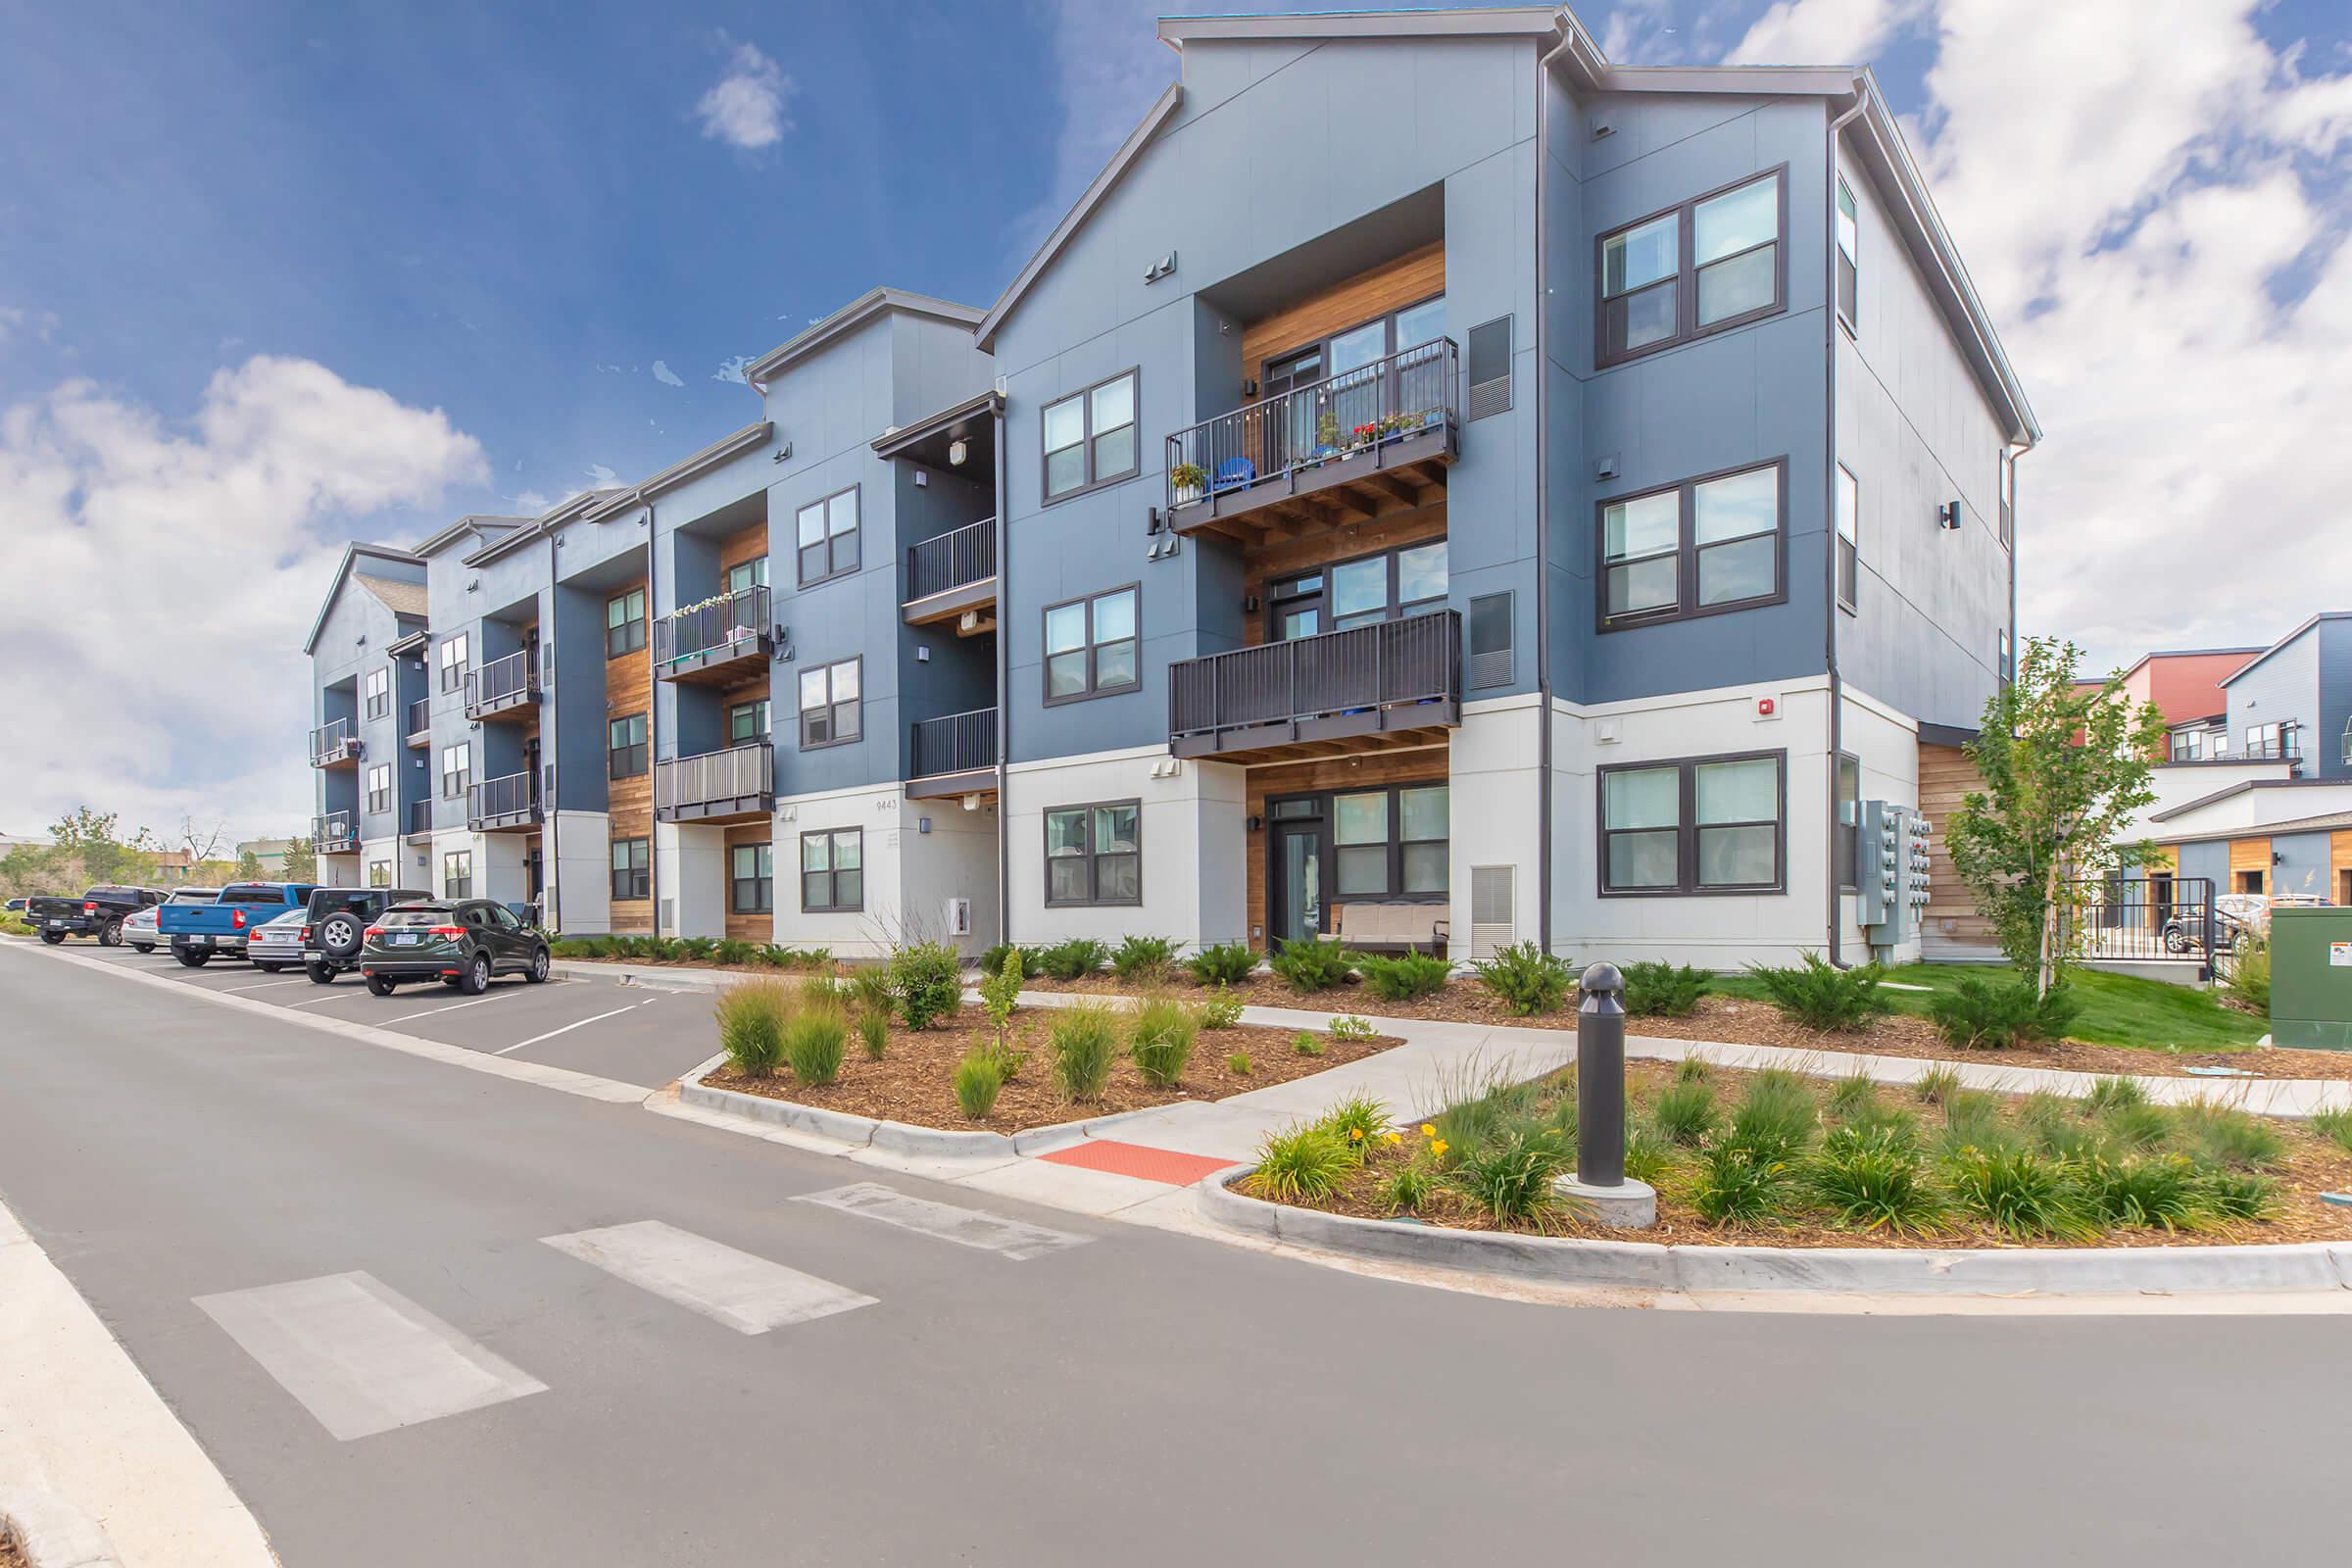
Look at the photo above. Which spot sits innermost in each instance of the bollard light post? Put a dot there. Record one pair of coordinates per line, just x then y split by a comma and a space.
1600, 1078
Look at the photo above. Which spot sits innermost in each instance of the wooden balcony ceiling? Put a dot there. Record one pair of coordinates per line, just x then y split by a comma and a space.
721, 664
1347, 492
980, 781
978, 599
1309, 740
512, 707
735, 809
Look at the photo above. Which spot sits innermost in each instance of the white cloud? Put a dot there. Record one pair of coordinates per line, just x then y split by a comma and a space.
666, 377
530, 503
11, 317
161, 577
601, 477
732, 368
1822, 33
747, 108
1110, 65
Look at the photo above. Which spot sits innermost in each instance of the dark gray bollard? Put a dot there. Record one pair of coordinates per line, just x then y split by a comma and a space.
1600, 1078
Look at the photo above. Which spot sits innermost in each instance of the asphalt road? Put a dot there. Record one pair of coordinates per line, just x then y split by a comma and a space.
1123, 1394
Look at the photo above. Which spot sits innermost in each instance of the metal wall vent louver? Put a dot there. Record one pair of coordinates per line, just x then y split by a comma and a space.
1492, 900
1489, 633
1488, 367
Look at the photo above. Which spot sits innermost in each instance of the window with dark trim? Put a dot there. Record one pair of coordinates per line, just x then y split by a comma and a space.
380, 788
379, 693
1698, 548
1094, 853
624, 747
833, 871
746, 575
1090, 644
632, 874
457, 874
1849, 835
2008, 482
1090, 438
379, 873
747, 722
751, 879
830, 705
455, 662
1850, 537
1850, 259
2008, 664
1385, 586
825, 537
1694, 825
2269, 743
1391, 843
625, 623
1716, 261
456, 770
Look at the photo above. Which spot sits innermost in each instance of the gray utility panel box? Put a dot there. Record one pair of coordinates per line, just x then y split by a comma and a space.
1891, 872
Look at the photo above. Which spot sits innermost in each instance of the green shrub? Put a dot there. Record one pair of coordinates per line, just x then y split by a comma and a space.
1820, 996
1308, 966
1659, 989
1228, 963
2239, 1194
1085, 1043
874, 1034
1775, 1120
1481, 1103
870, 988
1301, 1165
1733, 1186
992, 960
1074, 959
1239, 1062
776, 958
1220, 1009
1693, 1070
1511, 1177
1684, 1113
1162, 1043
815, 1039
1852, 1096
1972, 1119
927, 980
1358, 1123
2019, 1192
751, 1026
1000, 991
1983, 1015
1348, 1026
1404, 976
1648, 1158
2159, 1192
2223, 1135
734, 953
2137, 1126
1937, 1083
1527, 979
1408, 1186
1874, 1181
1008, 1058
812, 958
2249, 981
1306, 1043
1143, 957
2336, 1126
697, 949
2107, 1093
978, 1081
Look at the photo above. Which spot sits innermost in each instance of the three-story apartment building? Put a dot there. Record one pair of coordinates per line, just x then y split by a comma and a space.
1436, 485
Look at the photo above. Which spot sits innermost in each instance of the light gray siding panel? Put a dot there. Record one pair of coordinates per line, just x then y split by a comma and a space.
2210, 861
2283, 688
2300, 864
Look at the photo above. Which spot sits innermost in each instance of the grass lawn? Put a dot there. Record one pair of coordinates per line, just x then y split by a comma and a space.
2116, 1010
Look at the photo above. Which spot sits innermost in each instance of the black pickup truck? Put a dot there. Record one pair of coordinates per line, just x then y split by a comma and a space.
96, 914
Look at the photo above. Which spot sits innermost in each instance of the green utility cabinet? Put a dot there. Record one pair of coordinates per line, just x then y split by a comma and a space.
2311, 977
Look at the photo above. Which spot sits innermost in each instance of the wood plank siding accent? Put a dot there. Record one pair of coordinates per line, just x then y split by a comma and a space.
1390, 286
2249, 854
629, 689
1945, 775
1429, 765
1260, 566
754, 927
749, 544
2339, 866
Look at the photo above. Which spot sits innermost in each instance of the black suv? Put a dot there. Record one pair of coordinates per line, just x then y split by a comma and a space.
335, 925
460, 943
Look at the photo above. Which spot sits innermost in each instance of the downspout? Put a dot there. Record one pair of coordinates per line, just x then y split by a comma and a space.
1829, 479
551, 765
1003, 690
1543, 720
653, 730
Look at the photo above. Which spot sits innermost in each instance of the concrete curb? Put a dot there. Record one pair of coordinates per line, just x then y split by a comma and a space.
54, 1532
1841, 1271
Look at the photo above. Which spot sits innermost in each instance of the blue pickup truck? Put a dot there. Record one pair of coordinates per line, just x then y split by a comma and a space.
199, 932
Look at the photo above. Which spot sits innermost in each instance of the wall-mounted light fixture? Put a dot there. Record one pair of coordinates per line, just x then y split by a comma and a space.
1948, 516
958, 450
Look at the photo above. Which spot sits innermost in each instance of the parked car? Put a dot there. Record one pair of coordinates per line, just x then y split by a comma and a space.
140, 929
277, 942
200, 932
460, 943
2235, 917
335, 927
99, 912
17, 905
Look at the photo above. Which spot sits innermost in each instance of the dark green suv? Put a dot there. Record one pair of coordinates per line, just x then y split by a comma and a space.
460, 942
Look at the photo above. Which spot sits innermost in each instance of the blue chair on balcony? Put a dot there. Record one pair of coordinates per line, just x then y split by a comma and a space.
1233, 473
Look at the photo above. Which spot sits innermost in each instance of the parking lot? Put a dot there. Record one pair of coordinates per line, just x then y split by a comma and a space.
635, 1034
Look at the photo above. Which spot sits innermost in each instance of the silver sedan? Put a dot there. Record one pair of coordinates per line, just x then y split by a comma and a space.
276, 944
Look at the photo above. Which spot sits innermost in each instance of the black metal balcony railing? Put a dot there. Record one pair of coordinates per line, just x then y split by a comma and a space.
2287, 749
337, 741
739, 780
958, 743
503, 802
502, 683
966, 555
1332, 420
420, 819
335, 833
716, 626
420, 717
1364, 679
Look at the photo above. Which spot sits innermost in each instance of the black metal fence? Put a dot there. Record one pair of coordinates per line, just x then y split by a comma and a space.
964, 555
1388, 665
958, 743
502, 679
2152, 917
1355, 411
333, 833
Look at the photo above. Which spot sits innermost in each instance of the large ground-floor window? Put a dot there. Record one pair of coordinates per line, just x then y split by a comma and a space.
752, 879
1702, 824
1388, 845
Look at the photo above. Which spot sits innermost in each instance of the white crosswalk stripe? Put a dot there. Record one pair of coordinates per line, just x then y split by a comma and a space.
966, 1227
748, 1294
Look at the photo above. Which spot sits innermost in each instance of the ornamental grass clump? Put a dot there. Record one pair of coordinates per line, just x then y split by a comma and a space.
1301, 1165
1162, 1041
1874, 1181
1308, 966
1684, 1113
1655, 988
2155, 1192
815, 1037
1937, 1083
1852, 1096
1527, 979
1358, 1122
1511, 1177
979, 1079
2107, 1093
2223, 1135
2019, 1192
1820, 996
1238, 1065
2336, 1126
1085, 1043
874, 1034
751, 1026
1227, 963
1775, 1120
1647, 1156
2138, 1127
2239, 1195
1733, 1186
1404, 976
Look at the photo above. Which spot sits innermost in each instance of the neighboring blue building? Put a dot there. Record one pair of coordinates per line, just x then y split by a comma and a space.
2294, 699
1542, 503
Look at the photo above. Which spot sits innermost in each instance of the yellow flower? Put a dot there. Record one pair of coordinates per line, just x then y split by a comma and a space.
1356, 1135
1437, 1147
1391, 1137
1426, 1131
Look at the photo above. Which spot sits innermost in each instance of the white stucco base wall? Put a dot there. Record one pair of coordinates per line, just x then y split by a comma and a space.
1194, 842
579, 889
910, 871
448, 841
1495, 800
499, 871
946, 853
1887, 744
384, 852
339, 871
689, 861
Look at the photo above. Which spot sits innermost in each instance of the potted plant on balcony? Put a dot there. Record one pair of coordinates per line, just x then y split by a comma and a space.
1190, 479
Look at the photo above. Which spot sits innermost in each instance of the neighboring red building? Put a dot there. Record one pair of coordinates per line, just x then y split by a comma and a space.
2185, 685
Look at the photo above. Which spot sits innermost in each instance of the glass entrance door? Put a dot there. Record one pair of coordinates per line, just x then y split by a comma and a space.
1298, 913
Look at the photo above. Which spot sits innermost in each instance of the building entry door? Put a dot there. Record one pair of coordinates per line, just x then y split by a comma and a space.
1294, 904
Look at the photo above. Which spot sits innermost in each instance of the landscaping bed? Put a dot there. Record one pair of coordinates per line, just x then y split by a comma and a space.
12, 1551
1776, 1159
1457, 1001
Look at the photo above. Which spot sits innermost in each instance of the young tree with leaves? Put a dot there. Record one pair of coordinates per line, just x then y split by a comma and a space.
302, 861
2065, 768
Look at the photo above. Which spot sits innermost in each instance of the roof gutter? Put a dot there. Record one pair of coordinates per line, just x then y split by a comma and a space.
1834, 894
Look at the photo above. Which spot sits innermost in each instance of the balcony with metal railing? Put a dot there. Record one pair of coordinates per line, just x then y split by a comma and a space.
723, 641
1370, 688
418, 725
417, 820
1370, 441
954, 577
336, 744
735, 785
335, 833
953, 755
504, 688
505, 805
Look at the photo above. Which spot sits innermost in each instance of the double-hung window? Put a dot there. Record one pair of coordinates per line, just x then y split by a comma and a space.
1850, 537
1850, 259
827, 535
2266, 743
1090, 646
747, 722
380, 788
379, 693
379, 873
456, 660
624, 747
625, 623
746, 575
457, 874
830, 708
1391, 843
1094, 853
456, 770
1710, 264
632, 874
833, 870
752, 879
1711, 825
1693, 549
1090, 438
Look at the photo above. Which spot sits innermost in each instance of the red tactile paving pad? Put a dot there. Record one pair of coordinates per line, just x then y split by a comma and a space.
1135, 1159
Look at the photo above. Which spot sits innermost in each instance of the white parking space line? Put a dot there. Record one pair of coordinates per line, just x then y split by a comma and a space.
337, 993
582, 1024
966, 1227
435, 1012
266, 984
360, 1356
748, 1294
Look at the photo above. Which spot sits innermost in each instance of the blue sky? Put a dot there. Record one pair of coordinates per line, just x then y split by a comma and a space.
503, 251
